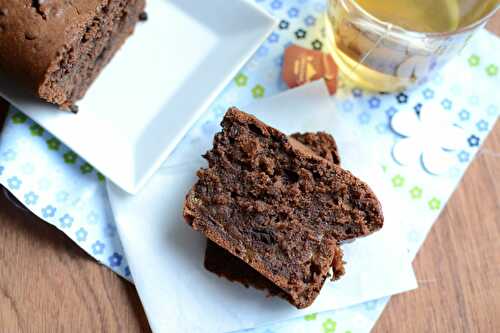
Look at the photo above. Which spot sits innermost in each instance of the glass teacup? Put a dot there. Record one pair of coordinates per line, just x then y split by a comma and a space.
378, 55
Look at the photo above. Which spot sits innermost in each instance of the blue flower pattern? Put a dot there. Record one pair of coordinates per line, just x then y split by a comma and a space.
464, 115
356, 92
293, 12
428, 93
391, 112
482, 125
30, 198
447, 104
473, 141
14, 183
276, 4
364, 118
81, 235
274, 37
66, 221
115, 260
310, 21
98, 248
463, 156
110, 229
374, 102
49, 211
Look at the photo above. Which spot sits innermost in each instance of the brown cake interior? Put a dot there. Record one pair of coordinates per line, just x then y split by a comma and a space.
224, 264
78, 64
322, 144
277, 207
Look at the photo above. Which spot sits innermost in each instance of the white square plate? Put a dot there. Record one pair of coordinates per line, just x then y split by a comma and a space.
155, 88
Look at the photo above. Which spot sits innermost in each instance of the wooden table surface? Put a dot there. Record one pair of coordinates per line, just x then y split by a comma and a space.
48, 284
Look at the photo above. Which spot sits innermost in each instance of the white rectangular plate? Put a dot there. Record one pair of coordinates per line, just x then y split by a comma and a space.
165, 255
155, 88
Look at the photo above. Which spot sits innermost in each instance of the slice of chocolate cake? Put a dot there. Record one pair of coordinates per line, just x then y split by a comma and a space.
224, 264
278, 207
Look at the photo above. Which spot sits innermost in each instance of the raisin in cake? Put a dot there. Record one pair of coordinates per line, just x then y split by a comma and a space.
278, 207
58, 47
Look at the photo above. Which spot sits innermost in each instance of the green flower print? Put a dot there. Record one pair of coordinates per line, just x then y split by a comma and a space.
53, 144
101, 177
19, 118
36, 130
258, 91
70, 158
492, 70
416, 193
474, 60
241, 80
310, 317
398, 181
86, 168
434, 204
329, 326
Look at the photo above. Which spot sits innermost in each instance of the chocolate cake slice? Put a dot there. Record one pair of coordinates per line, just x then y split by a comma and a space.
224, 264
58, 47
278, 207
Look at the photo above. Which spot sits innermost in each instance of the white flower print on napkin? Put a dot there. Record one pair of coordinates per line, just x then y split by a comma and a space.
429, 138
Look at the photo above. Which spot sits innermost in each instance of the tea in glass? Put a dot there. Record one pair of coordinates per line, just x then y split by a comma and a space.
391, 45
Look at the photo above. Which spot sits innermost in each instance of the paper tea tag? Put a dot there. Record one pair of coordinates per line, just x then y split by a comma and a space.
301, 66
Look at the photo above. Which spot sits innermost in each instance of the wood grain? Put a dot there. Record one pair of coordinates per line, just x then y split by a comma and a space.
48, 284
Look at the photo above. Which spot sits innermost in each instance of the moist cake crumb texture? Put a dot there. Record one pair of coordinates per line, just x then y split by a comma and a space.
278, 206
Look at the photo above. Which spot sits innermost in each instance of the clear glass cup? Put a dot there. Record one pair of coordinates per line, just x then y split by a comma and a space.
380, 56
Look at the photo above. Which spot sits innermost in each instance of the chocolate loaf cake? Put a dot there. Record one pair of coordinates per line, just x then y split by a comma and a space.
224, 264
58, 47
277, 206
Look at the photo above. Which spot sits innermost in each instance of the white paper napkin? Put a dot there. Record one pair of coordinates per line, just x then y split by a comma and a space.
166, 256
